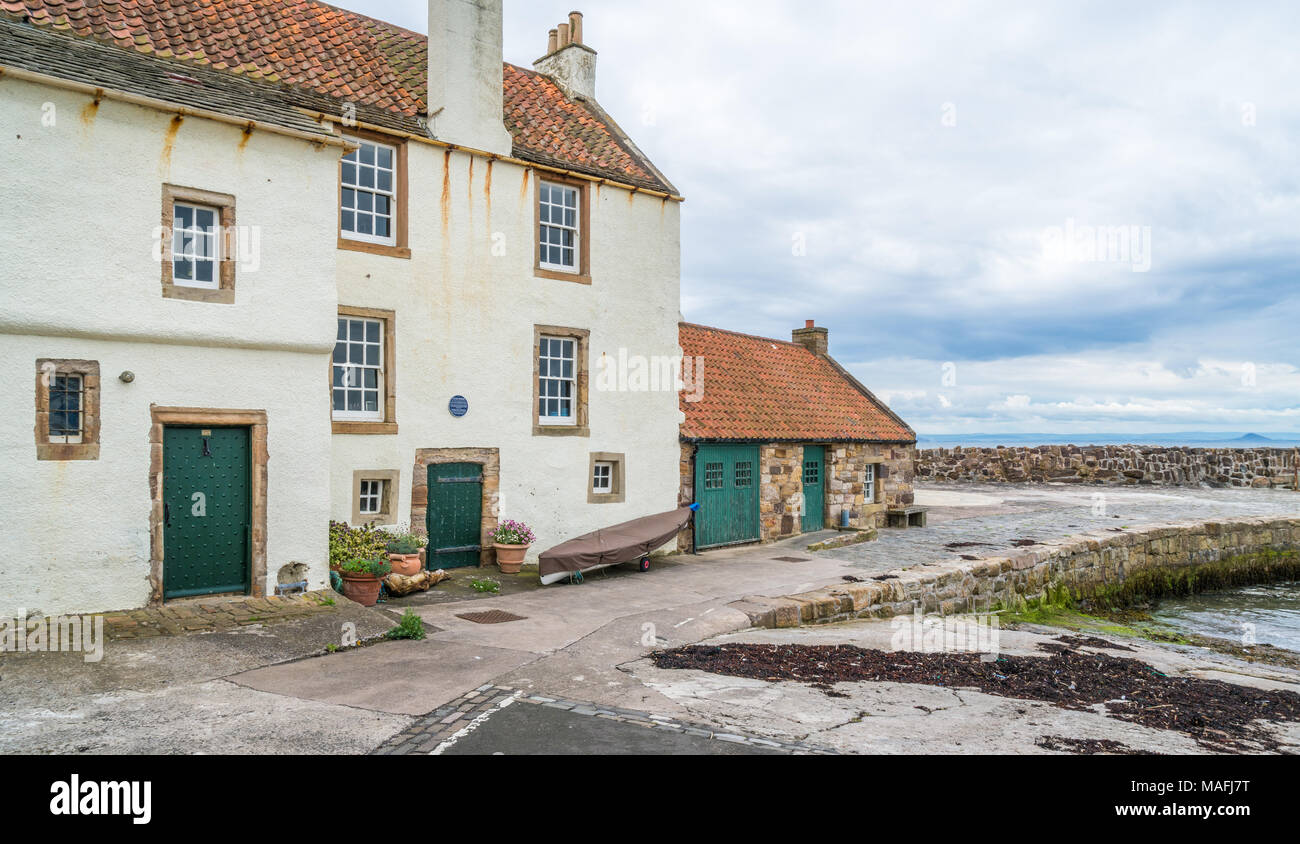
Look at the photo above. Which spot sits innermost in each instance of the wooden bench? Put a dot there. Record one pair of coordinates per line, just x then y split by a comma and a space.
906, 517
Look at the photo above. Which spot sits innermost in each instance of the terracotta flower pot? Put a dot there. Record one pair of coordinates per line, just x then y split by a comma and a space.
362, 588
405, 564
510, 558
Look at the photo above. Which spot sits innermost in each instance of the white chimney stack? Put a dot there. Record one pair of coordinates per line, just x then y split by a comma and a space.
571, 63
465, 74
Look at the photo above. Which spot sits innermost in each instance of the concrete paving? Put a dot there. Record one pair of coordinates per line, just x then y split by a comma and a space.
252, 690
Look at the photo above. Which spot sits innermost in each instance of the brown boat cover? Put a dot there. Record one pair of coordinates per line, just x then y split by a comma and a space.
623, 543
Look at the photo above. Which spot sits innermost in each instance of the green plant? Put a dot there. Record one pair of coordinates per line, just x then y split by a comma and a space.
405, 545
331, 648
485, 585
349, 543
378, 566
410, 627
405, 542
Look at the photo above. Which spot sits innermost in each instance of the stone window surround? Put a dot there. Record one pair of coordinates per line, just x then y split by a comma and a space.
401, 249
583, 275
88, 448
583, 337
389, 424
618, 483
387, 514
255, 421
489, 459
224, 293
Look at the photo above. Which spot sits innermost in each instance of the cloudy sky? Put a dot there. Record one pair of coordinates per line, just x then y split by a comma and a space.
1012, 217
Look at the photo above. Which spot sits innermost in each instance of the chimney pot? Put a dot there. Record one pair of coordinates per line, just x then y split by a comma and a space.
569, 62
812, 338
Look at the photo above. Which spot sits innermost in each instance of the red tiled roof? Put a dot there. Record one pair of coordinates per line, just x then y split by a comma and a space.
346, 56
774, 390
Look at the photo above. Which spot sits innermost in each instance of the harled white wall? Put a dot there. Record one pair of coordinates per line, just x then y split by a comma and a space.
79, 280
465, 321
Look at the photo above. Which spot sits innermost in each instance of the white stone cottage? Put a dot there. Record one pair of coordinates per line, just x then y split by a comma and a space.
328, 270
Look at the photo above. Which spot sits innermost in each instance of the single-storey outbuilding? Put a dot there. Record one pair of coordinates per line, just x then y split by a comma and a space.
779, 439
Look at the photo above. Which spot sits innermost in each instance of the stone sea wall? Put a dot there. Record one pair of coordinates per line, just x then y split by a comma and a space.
1110, 464
1085, 564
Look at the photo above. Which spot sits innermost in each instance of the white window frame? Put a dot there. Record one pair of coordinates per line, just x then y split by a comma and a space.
603, 470
80, 392
349, 367
544, 224
543, 376
195, 234
869, 484
372, 494
354, 159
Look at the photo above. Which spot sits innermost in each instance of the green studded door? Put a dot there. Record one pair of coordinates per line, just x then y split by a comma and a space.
814, 488
726, 488
207, 511
455, 516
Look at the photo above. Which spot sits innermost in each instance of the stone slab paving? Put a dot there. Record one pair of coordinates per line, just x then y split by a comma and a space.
999, 514
210, 615
440, 730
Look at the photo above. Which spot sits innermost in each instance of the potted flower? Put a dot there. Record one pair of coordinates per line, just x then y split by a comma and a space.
511, 540
404, 553
362, 579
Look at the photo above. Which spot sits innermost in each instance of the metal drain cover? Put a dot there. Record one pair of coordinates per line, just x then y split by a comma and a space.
792, 559
491, 617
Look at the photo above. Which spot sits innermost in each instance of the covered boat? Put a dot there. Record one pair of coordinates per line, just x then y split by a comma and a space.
626, 543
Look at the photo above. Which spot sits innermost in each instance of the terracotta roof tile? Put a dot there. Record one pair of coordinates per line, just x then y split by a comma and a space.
755, 388
345, 55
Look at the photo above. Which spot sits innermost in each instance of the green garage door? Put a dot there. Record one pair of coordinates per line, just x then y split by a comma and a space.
814, 488
726, 488
207, 510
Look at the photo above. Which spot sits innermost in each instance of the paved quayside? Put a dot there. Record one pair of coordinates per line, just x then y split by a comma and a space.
250, 690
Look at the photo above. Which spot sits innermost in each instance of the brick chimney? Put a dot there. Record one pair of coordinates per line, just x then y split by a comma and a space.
465, 74
571, 63
814, 339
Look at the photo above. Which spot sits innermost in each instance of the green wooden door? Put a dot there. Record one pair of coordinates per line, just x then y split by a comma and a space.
207, 510
726, 488
455, 515
814, 488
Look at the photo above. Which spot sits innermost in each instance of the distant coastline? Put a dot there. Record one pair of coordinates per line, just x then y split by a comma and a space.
1196, 439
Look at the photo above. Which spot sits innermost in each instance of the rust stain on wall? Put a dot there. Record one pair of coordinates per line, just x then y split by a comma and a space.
523, 188
446, 191
89, 112
169, 142
247, 136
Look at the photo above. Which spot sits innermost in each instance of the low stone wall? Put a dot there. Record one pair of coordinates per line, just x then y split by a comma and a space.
1111, 464
1085, 564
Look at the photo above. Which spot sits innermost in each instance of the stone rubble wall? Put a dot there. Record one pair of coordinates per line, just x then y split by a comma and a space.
1084, 563
1111, 464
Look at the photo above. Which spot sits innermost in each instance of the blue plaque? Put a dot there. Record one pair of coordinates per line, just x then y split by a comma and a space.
458, 406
